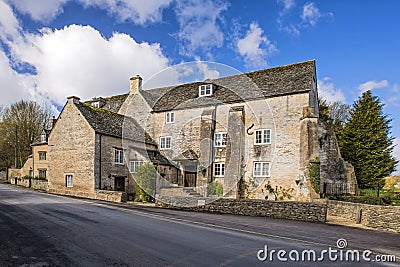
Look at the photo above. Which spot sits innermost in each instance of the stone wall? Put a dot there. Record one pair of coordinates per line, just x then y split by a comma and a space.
303, 211
30, 183
112, 196
3, 175
333, 167
385, 218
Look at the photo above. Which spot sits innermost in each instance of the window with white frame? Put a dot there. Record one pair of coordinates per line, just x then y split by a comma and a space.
261, 169
165, 142
262, 136
134, 164
42, 173
205, 90
118, 156
68, 180
42, 155
169, 117
96, 104
43, 138
219, 169
220, 139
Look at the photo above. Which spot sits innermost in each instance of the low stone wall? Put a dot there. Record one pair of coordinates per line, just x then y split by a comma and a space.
30, 183
385, 218
293, 210
39, 184
112, 196
3, 175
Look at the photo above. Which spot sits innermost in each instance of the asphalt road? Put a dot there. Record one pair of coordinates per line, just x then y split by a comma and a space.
38, 229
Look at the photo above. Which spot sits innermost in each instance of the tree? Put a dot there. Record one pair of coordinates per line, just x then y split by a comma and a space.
28, 118
366, 141
335, 114
145, 179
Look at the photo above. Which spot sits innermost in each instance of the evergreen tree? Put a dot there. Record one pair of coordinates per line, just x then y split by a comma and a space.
366, 141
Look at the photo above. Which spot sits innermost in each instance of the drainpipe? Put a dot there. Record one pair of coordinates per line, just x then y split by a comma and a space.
99, 161
212, 154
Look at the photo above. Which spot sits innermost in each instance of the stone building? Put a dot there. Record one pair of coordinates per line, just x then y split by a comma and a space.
255, 128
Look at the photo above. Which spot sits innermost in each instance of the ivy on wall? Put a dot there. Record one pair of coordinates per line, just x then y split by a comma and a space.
314, 173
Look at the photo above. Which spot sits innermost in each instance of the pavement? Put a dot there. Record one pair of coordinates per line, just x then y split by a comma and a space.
38, 229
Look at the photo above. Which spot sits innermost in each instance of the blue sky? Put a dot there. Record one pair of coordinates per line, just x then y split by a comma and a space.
50, 49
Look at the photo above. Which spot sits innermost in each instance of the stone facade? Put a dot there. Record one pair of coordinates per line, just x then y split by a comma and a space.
71, 151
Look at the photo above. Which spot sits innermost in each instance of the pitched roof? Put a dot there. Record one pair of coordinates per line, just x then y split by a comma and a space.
112, 103
290, 79
113, 124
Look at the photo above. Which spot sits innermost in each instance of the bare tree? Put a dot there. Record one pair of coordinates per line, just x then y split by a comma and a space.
22, 124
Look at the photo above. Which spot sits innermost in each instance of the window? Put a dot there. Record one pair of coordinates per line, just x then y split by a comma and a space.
118, 156
42, 173
261, 169
42, 155
165, 142
43, 138
262, 136
133, 165
219, 169
96, 104
169, 117
68, 180
205, 89
220, 139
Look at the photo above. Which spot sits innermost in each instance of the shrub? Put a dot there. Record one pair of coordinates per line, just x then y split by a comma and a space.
215, 188
145, 179
364, 199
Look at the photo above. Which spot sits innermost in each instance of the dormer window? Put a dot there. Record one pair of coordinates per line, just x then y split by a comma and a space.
43, 138
206, 89
96, 104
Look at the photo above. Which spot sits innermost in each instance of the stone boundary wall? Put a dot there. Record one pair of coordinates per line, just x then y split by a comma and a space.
385, 218
112, 196
292, 210
3, 175
30, 183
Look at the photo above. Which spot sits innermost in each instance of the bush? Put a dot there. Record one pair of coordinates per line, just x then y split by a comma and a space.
215, 189
145, 179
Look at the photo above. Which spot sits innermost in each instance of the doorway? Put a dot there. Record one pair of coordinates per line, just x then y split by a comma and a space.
119, 183
190, 179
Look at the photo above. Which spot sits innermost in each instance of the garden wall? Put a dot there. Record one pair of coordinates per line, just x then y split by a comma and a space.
385, 218
112, 196
293, 210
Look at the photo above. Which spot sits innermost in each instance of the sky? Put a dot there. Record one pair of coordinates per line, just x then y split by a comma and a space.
51, 49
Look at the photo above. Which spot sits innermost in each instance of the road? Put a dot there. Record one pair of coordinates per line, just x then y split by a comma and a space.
38, 229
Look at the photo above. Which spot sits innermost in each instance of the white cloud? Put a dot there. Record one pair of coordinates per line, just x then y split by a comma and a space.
371, 85
39, 10
255, 47
311, 13
198, 23
9, 25
137, 11
396, 153
287, 5
328, 91
77, 60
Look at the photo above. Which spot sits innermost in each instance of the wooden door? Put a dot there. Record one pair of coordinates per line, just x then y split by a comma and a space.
190, 179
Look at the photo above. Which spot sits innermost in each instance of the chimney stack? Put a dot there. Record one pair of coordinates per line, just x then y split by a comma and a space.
73, 99
135, 84
53, 122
